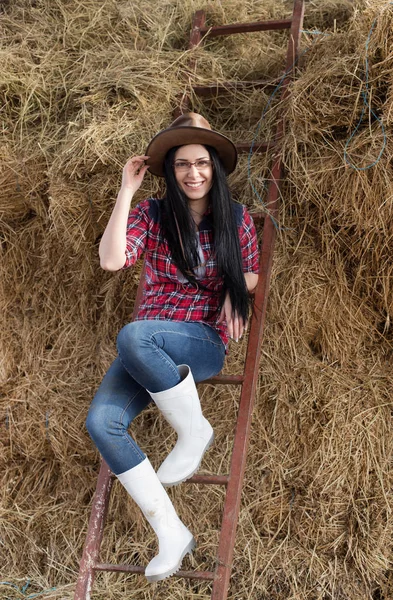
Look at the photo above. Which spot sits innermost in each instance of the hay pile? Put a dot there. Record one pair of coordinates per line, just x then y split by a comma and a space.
84, 85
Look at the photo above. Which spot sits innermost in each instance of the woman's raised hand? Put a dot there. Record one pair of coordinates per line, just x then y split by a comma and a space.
133, 173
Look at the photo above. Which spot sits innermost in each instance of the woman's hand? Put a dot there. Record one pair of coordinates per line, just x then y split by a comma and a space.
133, 173
235, 323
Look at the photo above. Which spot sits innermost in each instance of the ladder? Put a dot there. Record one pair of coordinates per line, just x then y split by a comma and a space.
220, 576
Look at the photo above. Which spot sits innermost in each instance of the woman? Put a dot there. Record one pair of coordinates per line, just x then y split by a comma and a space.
201, 262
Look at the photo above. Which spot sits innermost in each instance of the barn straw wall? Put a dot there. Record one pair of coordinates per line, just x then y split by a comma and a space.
86, 84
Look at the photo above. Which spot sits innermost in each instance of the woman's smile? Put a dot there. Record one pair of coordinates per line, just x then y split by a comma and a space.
195, 185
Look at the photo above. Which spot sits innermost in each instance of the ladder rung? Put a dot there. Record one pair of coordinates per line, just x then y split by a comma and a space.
204, 575
214, 88
243, 147
246, 27
209, 479
226, 379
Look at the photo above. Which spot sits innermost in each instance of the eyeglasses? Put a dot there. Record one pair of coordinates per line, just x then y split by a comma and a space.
185, 165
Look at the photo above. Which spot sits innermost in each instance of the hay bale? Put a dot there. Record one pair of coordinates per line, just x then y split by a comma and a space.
82, 88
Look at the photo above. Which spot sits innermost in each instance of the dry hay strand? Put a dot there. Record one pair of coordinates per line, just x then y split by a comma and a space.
31, 98
20, 257
332, 14
374, 30
327, 94
322, 493
50, 296
73, 217
31, 107
376, 23
319, 476
23, 178
348, 211
244, 123
16, 185
93, 154
329, 319
382, 61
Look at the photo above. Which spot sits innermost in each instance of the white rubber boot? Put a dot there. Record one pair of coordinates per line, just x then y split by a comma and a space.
181, 407
174, 539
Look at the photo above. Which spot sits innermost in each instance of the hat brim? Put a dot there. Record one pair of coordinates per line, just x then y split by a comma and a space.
181, 136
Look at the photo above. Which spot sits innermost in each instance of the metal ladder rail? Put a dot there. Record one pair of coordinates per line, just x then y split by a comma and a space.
221, 575
242, 433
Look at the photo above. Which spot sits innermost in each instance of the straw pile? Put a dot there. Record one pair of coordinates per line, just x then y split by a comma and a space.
83, 86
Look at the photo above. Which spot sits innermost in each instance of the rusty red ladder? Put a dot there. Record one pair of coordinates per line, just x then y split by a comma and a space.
220, 576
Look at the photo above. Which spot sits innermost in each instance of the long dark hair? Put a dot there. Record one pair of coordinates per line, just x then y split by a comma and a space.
179, 231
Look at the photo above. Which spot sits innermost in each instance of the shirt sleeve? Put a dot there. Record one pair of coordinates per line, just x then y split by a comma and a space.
137, 231
249, 243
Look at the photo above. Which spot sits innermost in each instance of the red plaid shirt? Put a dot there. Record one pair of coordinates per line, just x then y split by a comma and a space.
166, 295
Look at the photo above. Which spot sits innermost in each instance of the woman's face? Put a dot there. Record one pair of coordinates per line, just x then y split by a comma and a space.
195, 182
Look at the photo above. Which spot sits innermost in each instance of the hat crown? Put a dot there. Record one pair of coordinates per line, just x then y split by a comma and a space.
190, 119
189, 128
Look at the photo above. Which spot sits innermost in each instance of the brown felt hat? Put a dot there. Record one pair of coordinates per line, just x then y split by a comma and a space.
189, 128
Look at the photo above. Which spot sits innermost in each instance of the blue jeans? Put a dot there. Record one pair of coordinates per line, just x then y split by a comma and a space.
148, 354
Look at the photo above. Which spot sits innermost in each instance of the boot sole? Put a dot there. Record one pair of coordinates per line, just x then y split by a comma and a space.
189, 475
160, 576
